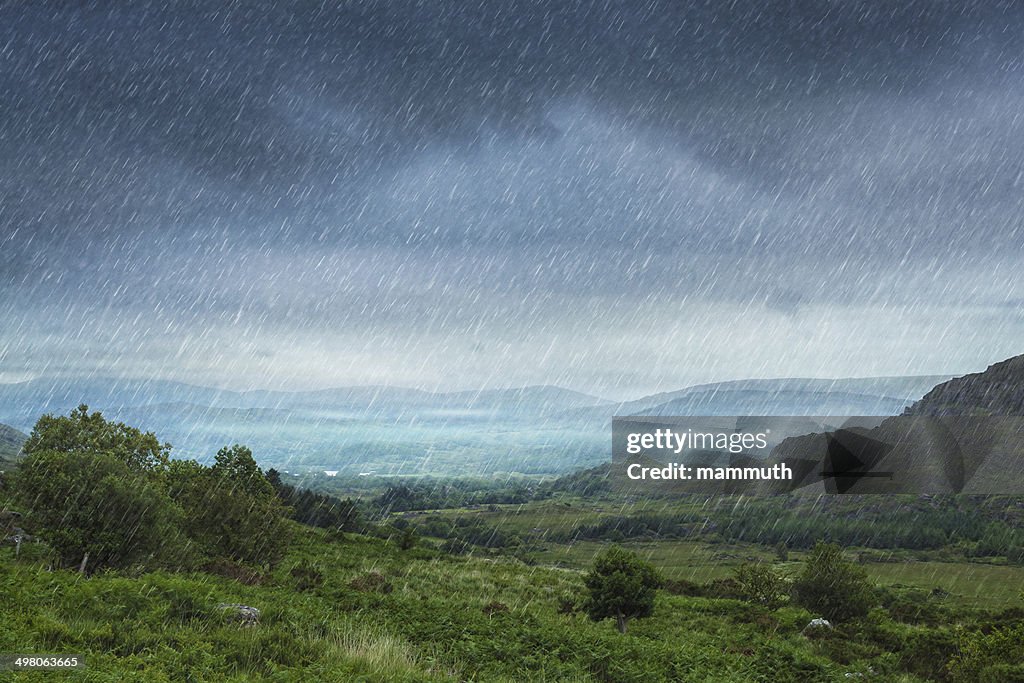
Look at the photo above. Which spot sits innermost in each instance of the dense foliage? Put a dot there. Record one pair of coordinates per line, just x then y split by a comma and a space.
91, 433
432, 494
621, 586
976, 528
315, 509
955, 526
104, 494
230, 509
96, 491
831, 586
94, 509
760, 583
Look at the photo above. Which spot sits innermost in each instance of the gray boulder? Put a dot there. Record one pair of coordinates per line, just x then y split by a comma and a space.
244, 614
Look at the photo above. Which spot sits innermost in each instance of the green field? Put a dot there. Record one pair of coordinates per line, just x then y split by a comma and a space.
969, 583
359, 608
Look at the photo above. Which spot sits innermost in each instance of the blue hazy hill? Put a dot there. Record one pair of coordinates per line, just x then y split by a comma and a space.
398, 430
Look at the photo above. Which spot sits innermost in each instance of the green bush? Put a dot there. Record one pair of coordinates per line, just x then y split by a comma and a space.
95, 491
831, 586
913, 605
927, 654
995, 656
760, 583
621, 586
230, 509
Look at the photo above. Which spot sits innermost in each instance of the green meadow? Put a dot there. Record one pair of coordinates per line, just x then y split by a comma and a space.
358, 608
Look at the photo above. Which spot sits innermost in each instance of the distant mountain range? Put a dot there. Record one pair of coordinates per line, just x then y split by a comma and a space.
22, 403
794, 396
385, 429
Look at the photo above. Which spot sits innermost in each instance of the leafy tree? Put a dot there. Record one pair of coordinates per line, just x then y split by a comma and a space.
831, 586
85, 432
95, 490
230, 508
781, 552
236, 465
188, 484
399, 499
621, 586
274, 477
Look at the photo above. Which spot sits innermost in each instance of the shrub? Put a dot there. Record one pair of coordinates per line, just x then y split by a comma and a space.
407, 539
724, 588
831, 586
913, 605
993, 656
230, 508
759, 583
927, 653
621, 585
95, 491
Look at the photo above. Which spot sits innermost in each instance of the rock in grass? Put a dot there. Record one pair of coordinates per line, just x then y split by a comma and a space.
243, 614
817, 627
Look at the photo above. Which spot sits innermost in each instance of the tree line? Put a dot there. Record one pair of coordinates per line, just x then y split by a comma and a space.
103, 494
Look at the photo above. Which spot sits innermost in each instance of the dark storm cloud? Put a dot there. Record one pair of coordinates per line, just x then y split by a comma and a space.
472, 171
271, 95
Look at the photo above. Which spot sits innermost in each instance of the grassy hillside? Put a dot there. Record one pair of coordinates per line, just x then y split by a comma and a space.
361, 609
382, 615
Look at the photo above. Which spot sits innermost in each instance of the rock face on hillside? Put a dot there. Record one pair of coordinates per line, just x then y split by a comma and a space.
966, 435
999, 390
11, 441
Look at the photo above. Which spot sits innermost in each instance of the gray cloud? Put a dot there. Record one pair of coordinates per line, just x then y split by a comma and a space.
440, 194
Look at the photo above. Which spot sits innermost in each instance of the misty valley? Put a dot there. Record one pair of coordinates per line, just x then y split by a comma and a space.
393, 431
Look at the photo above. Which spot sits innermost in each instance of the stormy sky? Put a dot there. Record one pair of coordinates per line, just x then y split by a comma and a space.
616, 197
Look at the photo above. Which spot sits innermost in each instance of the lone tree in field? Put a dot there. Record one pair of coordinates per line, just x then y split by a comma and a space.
832, 586
621, 586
